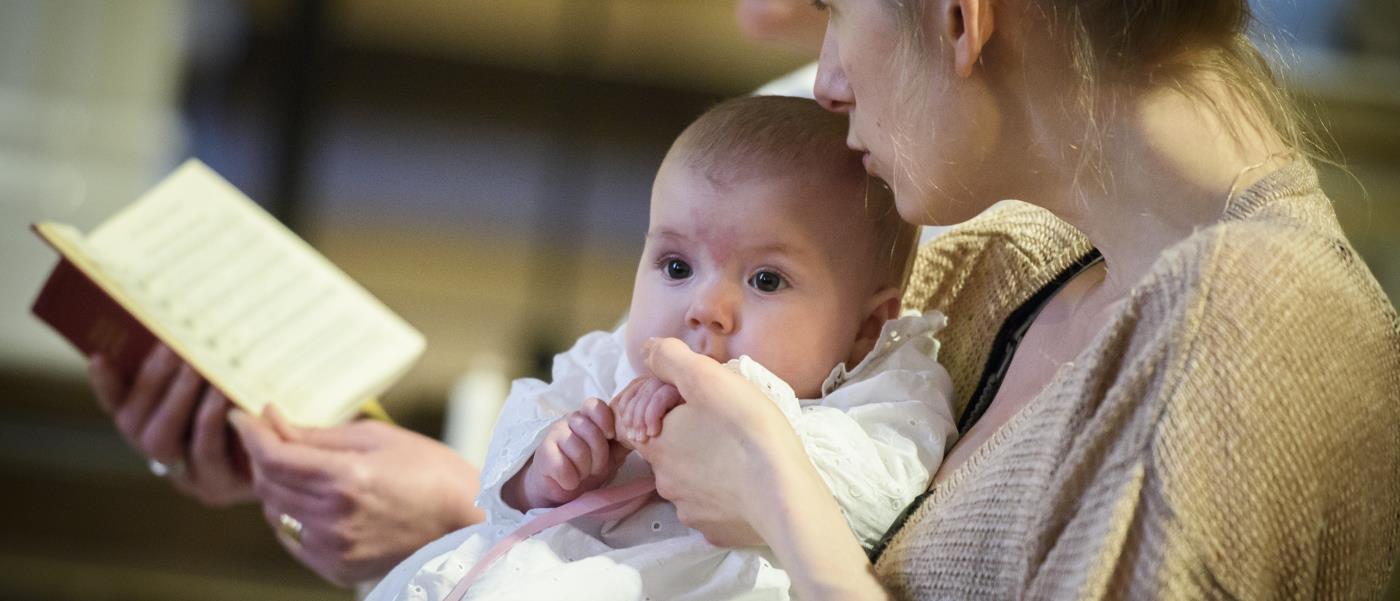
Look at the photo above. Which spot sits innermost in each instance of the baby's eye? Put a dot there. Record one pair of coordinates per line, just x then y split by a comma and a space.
767, 281
676, 269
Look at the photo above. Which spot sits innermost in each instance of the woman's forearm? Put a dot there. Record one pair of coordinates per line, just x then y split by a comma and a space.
802, 523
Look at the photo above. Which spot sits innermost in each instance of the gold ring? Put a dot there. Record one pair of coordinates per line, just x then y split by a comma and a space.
290, 528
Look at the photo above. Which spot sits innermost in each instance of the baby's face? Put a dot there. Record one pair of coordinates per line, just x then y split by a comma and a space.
766, 267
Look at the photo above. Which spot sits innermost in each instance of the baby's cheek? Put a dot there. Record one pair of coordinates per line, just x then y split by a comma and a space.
805, 364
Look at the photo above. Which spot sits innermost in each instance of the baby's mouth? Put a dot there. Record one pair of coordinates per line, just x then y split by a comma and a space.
708, 349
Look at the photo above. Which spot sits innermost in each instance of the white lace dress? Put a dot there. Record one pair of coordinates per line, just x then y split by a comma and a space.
876, 436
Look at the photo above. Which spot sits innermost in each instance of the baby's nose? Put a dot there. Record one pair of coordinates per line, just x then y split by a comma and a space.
713, 310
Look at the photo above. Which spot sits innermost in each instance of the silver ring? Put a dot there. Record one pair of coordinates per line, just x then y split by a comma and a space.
166, 470
290, 528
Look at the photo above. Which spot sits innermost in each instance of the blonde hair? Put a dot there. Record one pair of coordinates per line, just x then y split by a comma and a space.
778, 136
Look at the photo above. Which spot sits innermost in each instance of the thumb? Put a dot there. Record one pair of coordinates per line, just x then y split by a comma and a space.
671, 361
280, 424
254, 433
335, 438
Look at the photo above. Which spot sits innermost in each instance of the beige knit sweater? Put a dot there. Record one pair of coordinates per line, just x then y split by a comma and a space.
1234, 431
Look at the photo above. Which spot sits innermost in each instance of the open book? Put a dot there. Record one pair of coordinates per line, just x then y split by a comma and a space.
252, 307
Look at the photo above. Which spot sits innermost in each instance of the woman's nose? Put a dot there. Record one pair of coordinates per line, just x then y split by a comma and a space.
713, 309
832, 90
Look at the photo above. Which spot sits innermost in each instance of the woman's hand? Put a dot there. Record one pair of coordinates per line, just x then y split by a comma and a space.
170, 414
367, 494
743, 438
737, 472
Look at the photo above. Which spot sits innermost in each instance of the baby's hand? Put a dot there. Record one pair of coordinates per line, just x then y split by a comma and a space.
578, 454
640, 408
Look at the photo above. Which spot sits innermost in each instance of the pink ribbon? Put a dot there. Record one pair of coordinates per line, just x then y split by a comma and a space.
611, 503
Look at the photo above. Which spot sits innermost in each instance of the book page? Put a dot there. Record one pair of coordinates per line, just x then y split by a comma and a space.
255, 306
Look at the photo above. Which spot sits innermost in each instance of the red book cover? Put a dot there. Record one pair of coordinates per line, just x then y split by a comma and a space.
81, 311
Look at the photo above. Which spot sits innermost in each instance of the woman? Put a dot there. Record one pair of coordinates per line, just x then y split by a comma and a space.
1178, 379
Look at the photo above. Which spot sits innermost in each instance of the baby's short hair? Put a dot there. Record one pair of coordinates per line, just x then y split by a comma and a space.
779, 136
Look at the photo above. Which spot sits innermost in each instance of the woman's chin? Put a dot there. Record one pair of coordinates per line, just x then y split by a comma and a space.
939, 211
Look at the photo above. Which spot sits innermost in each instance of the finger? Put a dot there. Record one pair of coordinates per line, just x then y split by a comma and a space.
163, 436
636, 414
578, 453
106, 383
674, 363
279, 423
619, 405
354, 436
311, 549
155, 374
294, 464
662, 401
592, 435
289, 500
555, 466
601, 414
626, 392
209, 445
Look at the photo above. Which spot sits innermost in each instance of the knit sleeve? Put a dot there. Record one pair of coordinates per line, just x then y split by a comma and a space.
1271, 469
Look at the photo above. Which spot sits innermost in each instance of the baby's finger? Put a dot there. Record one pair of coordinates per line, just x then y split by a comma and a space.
555, 466
637, 414
621, 406
602, 415
621, 398
585, 430
576, 451
662, 401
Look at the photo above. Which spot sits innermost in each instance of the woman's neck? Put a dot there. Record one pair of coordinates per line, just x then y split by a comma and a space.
1169, 164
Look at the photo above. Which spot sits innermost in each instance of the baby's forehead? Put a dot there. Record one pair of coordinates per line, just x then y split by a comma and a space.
818, 214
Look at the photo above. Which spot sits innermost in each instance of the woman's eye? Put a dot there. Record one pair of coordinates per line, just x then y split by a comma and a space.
767, 281
818, 4
677, 269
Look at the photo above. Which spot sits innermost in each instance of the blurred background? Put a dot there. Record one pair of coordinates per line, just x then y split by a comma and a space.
482, 167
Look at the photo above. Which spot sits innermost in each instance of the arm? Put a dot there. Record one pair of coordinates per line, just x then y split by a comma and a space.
756, 484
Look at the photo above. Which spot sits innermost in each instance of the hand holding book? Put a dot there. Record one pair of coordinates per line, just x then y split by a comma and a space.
192, 301
172, 415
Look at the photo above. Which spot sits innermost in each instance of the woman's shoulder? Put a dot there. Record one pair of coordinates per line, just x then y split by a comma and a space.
1014, 243
1276, 401
979, 272
1278, 345
1280, 267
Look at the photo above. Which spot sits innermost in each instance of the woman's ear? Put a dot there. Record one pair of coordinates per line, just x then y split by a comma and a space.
968, 24
882, 307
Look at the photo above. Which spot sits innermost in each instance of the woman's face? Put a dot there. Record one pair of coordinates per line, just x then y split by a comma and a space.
924, 129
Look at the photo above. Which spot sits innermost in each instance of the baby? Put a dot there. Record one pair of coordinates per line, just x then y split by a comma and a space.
769, 251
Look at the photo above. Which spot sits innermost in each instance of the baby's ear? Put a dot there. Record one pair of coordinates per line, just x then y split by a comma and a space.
880, 308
